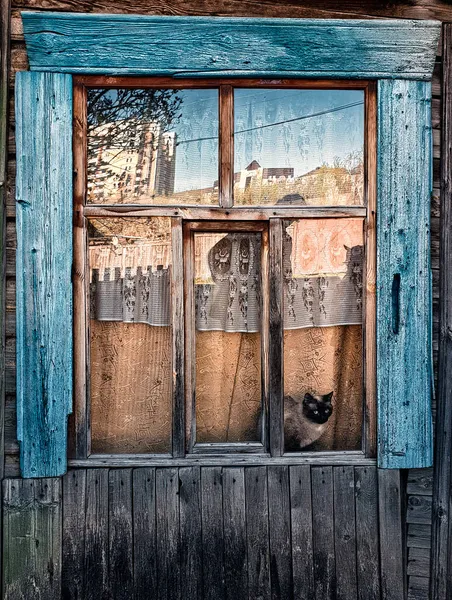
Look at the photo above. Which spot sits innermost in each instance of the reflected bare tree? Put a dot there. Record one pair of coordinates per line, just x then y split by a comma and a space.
119, 113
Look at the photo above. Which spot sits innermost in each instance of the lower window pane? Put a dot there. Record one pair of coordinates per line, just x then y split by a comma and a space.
228, 342
323, 334
130, 335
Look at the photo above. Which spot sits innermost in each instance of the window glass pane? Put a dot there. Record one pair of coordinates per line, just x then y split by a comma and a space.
227, 288
152, 146
130, 335
323, 334
298, 147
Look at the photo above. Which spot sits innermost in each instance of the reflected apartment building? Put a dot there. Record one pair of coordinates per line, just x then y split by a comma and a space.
139, 169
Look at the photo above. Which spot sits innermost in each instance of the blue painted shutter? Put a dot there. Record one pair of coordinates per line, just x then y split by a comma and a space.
403, 275
44, 261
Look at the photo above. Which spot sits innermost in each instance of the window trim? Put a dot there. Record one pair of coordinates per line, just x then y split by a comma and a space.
79, 428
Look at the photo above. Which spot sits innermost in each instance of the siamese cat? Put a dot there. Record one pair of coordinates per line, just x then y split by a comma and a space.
305, 420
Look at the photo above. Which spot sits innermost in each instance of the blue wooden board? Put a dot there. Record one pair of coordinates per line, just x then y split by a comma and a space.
241, 47
44, 262
403, 274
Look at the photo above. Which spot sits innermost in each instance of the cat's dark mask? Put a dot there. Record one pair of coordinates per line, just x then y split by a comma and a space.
318, 407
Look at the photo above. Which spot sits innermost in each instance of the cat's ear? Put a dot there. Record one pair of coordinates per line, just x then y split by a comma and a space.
308, 398
347, 248
329, 396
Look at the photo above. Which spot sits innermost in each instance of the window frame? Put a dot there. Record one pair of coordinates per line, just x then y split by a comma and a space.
181, 216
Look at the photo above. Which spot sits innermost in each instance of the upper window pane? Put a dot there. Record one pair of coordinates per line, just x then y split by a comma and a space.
152, 146
298, 147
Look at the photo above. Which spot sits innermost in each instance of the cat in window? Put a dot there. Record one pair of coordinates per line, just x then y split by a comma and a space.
305, 420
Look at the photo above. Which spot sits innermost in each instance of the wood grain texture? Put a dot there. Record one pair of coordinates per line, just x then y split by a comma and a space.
323, 533
43, 277
73, 535
120, 527
190, 532
256, 487
32, 537
441, 529
390, 506
367, 539
144, 533
404, 378
349, 48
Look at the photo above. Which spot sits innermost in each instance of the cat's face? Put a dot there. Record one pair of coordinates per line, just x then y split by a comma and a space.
318, 407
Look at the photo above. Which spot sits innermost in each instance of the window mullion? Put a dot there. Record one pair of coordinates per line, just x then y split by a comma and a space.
276, 381
226, 150
177, 320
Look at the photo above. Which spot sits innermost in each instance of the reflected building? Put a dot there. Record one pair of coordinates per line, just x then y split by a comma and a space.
141, 166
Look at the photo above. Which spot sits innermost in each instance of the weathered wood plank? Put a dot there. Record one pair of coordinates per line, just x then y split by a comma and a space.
235, 557
403, 283
254, 47
345, 533
443, 430
256, 490
44, 262
96, 534
420, 482
73, 553
301, 528
323, 533
144, 534
190, 532
168, 545
419, 509
419, 536
418, 588
32, 539
418, 562
212, 533
279, 529
390, 499
367, 538
120, 532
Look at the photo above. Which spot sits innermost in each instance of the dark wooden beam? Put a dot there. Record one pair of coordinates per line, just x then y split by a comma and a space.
440, 555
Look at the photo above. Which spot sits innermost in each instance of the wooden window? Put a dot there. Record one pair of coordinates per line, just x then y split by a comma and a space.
226, 233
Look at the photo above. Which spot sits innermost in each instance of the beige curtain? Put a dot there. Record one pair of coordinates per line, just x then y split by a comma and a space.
131, 384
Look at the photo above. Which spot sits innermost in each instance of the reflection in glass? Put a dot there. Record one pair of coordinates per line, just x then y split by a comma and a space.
152, 146
227, 288
130, 335
298, 147
323, 359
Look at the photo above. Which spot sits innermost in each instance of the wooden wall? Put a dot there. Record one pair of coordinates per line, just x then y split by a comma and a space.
213, 532
110, 531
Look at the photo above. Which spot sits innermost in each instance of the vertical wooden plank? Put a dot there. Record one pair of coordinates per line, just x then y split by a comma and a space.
32, 539
190, 532
73, 553
120, 531
226, 146
257, 534
301, 525
440, 576
279, 528
44, 263
367, 546
345, 533
177, 320
393, 575
168, 547
235, 557
276, 391
144, 535
5, 25
79, 421
190, 342
212, 533
265, 338
5, 20
323, 533
403, 281
96, 534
